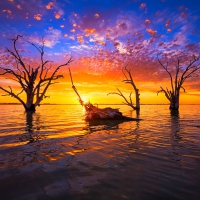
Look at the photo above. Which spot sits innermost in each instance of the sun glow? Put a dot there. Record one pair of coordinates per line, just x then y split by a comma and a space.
86, 99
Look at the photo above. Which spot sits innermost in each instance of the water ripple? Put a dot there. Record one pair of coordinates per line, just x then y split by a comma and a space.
155, 158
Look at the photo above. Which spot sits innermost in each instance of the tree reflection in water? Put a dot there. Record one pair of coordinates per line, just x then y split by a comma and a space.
29, 125
32, 127
175, 136
175, 125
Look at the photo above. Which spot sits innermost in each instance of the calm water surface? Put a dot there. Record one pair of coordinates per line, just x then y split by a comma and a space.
55, 154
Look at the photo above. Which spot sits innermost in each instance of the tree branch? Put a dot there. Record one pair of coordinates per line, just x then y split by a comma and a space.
121, 94
170, 75
165, 92
53, 77
10, 93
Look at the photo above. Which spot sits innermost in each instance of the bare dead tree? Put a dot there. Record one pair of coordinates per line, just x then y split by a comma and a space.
129, 80
177, 80
33, 81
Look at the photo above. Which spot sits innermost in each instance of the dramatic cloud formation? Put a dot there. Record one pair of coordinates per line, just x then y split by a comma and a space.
104, 36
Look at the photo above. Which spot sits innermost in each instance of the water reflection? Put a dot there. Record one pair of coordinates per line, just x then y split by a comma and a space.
32, 126
155, 158
175, 125
103, 125
29, 121
175, 138
112, 124
134, 113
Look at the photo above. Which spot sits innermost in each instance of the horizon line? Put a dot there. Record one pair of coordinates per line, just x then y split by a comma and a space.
96, 104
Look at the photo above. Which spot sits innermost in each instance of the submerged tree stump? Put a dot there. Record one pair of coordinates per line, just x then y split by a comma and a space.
95, 113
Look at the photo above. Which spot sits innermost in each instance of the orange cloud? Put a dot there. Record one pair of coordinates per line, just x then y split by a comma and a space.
89, 31
152, 32
101, 43
74, 25
57, 15
96, 15
49, 6
11, 0
73, 30
38, 17
19, 7
80, 39
65, 35
50, 27
62, 26
169, 30
147, 21
8, 11
143, 5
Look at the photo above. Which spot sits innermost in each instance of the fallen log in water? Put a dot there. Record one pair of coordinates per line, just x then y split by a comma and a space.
95, 113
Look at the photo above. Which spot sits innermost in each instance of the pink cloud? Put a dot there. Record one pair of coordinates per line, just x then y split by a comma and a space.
143, 5
19, 7
147, 21
152, 32
96, 15
80, 39
51, 38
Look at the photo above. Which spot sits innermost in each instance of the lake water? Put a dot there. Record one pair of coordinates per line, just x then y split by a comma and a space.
55, 154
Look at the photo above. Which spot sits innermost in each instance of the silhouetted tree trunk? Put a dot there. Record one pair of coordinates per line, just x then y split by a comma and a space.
129, 80
33, 81
176, 81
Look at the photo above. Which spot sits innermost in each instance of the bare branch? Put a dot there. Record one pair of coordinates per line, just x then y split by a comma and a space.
167, 94
10, 93
16, 53
183, 89
129, 80
74, 88
33, 81
121, 94
170, 75
53, 77
187, 72
20, 92
190, 69
124, 72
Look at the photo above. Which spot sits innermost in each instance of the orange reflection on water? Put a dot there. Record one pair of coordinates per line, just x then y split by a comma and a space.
9, 145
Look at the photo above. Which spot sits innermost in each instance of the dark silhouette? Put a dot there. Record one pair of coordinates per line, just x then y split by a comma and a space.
33, 81
176, 81
95, 113
129, 80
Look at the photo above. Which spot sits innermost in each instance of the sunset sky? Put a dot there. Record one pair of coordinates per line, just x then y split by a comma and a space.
103, 36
